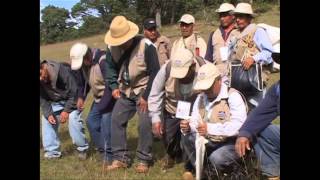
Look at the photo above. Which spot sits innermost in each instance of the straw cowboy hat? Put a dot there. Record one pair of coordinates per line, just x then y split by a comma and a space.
121, 30
244, 8
225, 7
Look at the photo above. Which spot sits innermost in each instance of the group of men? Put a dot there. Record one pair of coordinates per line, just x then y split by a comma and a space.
150, 76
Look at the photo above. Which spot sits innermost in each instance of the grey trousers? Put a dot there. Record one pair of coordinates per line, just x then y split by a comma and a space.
123, 111
172, 135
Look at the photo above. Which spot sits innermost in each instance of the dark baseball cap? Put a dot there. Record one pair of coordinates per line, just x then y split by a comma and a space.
149, 23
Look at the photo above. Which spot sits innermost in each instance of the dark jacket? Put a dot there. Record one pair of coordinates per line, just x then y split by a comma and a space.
263, 114
107, 101
62, 87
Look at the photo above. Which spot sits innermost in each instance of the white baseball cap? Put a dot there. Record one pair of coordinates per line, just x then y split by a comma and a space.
181, 60
187, 18
77, 52
207, 73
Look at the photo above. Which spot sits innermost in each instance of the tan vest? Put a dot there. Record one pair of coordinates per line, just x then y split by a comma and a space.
245, 46
173, 94
221, 106
191, 42
137, 71
217, 43
96, 80
163, 49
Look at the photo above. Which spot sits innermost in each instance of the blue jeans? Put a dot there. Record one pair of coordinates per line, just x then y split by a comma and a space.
267, 150
50, 139
99, 126
223, 155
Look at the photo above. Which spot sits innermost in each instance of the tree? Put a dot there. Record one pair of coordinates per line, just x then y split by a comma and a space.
54, 24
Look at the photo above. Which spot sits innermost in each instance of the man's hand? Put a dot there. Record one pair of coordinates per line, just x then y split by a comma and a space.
157, 129
184, 126
80, 104
51, 119
247, 63
143, 104
116, 93
202, 129
64, 116
242, 144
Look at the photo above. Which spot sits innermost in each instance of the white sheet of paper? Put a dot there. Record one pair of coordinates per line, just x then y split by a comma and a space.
183, 110
224, 53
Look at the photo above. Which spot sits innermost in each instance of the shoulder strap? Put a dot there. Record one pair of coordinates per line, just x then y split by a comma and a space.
168, 68
231, 90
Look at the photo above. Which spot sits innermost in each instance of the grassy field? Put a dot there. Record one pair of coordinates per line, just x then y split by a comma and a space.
69, 167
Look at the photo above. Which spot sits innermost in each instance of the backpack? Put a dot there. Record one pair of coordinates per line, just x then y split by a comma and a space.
272, 32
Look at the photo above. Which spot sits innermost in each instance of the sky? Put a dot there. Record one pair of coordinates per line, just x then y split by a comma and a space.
67, 4
59, 3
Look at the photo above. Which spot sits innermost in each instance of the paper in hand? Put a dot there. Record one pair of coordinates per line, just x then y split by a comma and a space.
183, 110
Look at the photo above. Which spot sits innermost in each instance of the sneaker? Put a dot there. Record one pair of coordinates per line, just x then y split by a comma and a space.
187, 176
274, 178
142, 168
48, 155
82, 155
116, 164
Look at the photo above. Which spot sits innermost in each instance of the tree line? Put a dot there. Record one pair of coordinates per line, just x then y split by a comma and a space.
96, 15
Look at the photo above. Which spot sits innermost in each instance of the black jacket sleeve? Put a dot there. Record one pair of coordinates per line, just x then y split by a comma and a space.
209, 52
263, 115
151, 59
71, 87
45, 104
82, 85
107, 93
112, 71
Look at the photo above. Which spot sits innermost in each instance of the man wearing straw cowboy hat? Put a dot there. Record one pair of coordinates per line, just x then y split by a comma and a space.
252, 45
189, 39
217, 114
132, 64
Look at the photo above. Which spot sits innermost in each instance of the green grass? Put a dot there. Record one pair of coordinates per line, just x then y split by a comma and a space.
69, 167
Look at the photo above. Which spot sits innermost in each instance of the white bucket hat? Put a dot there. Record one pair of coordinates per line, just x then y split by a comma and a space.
225, 7
244, 8
77, 52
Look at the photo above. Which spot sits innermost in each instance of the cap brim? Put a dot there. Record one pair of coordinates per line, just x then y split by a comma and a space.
150, 26
223, 11
235, 13
203, 84
187, 22
179, 73
76, 63
134, 29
